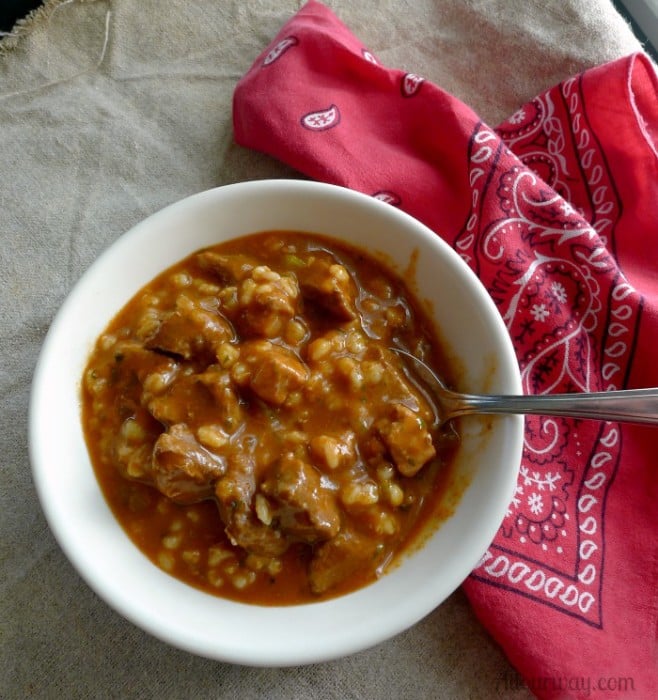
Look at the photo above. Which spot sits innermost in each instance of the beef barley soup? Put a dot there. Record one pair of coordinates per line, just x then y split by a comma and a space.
251, 428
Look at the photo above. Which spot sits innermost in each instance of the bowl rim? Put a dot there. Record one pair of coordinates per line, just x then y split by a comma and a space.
407, 612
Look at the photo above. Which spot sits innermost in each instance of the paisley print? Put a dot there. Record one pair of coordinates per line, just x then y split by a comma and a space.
388, 197
322, 119
411, 84
573, 317
279, 49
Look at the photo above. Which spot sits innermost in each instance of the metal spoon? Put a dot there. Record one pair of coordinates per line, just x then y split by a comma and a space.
629, 405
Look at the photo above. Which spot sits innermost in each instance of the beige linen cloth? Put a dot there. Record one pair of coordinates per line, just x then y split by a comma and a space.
111, 109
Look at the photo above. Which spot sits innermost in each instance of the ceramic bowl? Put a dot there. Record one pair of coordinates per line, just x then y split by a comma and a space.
487, 460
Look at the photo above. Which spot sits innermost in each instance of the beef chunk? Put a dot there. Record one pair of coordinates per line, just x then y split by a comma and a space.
303, 507
408, 441
189, 331
333, 452
266, 302
131, 357
329, 285
210, 393
228, 268
220, 386
235, 494
178, 404
272, 372
340, 557
182, 469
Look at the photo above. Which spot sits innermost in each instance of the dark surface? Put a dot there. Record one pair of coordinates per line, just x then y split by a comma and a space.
642, 37
12, 10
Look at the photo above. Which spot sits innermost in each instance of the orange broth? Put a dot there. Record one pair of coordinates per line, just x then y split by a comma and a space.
251, 429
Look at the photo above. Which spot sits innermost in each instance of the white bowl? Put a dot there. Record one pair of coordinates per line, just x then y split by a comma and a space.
211, 626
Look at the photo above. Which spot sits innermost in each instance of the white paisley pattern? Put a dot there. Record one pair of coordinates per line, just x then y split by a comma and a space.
548, 262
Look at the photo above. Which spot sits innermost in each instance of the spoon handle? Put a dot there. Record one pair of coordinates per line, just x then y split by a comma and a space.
630, 405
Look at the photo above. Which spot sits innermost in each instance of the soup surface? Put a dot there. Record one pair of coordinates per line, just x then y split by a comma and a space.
253, 431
